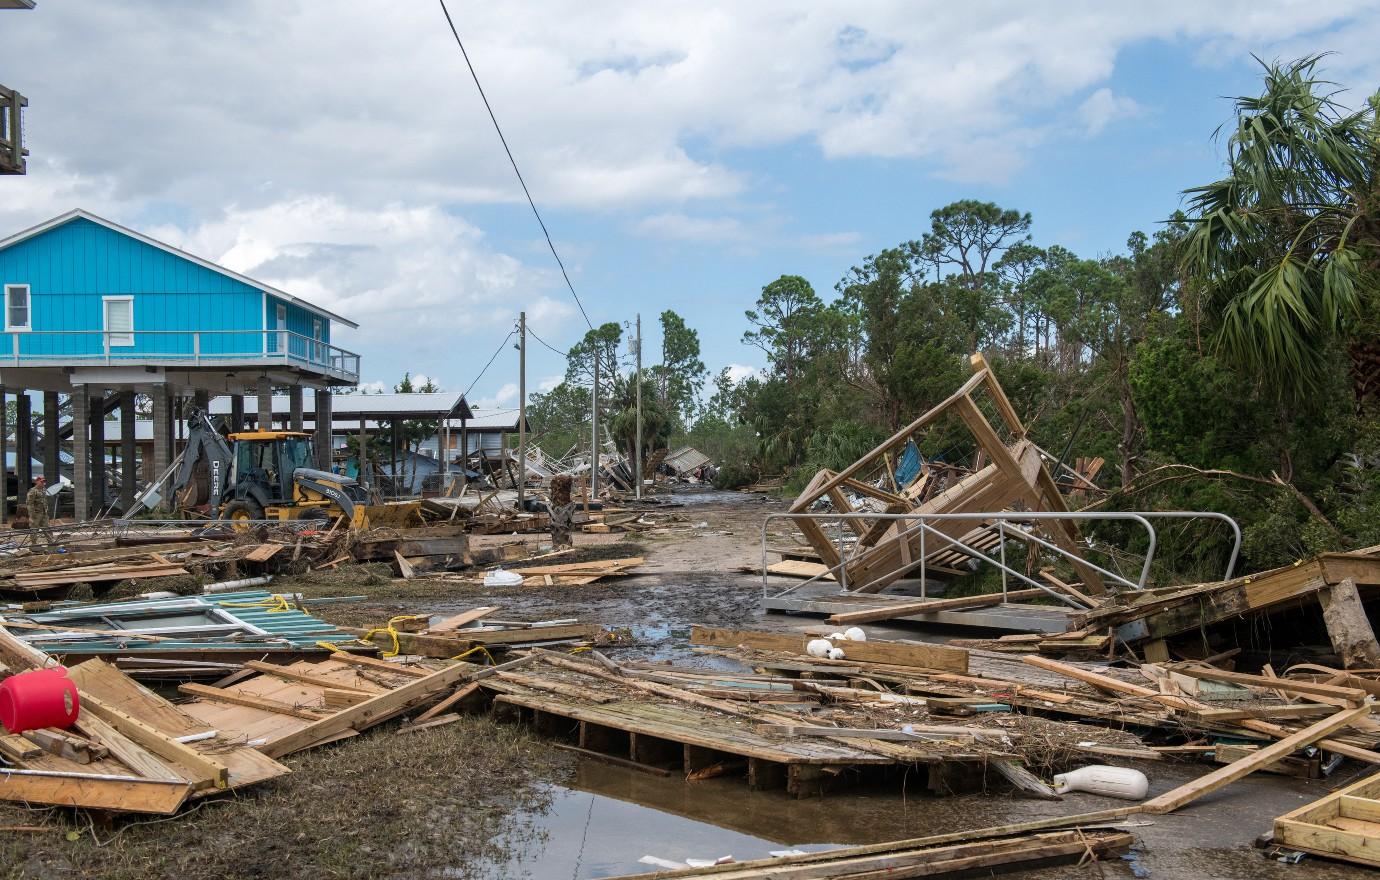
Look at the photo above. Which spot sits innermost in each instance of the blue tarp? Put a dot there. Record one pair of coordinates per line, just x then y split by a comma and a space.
908, 468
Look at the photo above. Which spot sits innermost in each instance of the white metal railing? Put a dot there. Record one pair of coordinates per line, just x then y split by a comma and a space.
185, 347
1009, 525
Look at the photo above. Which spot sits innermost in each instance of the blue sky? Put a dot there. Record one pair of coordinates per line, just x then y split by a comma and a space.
683, 157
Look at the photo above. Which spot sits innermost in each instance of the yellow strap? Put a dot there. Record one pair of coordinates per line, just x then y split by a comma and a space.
274, 603
392, 633
477, 649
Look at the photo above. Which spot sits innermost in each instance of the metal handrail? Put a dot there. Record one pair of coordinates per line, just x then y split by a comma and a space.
1001, 519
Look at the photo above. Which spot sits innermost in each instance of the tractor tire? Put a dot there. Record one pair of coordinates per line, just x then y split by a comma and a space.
241, 510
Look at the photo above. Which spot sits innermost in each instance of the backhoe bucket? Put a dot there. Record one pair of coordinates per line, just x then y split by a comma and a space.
396, 515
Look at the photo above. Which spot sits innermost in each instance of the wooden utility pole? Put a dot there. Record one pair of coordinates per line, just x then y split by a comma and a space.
594, 429
637, 441
522, 408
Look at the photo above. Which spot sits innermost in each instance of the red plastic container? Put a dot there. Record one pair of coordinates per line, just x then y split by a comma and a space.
41, 698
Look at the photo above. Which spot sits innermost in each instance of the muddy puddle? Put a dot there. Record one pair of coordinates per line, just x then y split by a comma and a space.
603, 819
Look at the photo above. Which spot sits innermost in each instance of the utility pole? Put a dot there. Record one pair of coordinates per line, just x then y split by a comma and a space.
594, 430
637, 456
522, 408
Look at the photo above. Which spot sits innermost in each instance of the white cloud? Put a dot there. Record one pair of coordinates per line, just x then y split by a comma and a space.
682, 227
1103, 107
547, 383
506, 397
420, 281
739, 372
605, 104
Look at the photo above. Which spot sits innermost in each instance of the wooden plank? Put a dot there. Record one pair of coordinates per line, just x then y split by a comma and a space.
238, 698
156, 741
376, 663
456, 621
1348, 626
1047, 575
94, 791
404, 567
440, 708
929, 606
601, 566
125, 750
385, 705
1331, 842
1289, 685
263, 552
1354, 807
306, 677
940, 657
1184, 794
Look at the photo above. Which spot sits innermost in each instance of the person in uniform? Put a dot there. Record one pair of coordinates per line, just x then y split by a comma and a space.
37, 502
562, 510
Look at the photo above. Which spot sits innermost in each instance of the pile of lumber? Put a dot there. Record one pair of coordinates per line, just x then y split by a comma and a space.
1266, 719
463, 633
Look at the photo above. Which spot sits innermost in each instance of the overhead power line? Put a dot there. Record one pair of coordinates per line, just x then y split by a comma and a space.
510, 335
532, 333
513, 162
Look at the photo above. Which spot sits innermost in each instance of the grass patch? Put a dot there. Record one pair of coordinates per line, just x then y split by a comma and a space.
375, 805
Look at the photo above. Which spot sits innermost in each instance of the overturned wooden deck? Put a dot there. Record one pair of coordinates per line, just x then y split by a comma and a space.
667, 730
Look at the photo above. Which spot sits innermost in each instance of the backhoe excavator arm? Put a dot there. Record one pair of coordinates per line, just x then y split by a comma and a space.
204, 444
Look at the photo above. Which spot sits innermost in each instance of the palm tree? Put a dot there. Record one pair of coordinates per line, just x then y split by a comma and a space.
1287, 244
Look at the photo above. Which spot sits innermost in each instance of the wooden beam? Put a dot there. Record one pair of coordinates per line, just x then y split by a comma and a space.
940, 657
94, 791
1184, 794
305, 677
1348, 626
929, 606
456, 621
376, 663
158, 742
1288, 685
237, 698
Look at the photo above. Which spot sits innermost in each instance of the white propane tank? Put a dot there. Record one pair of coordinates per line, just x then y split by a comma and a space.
1117, 782
836, 654
818, 648
855, 634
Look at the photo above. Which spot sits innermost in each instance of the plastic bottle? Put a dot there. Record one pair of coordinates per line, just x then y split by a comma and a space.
1117, 782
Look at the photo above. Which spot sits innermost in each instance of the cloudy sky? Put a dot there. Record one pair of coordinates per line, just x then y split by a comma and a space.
683, 154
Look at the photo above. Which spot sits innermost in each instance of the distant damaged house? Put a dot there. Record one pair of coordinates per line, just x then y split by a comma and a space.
685, 461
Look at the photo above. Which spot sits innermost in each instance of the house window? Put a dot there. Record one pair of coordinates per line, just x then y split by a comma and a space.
119, 320
17, 314
318, 351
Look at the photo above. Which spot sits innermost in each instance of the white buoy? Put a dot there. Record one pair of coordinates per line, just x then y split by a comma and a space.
836, 654
818, 648
837, 637
1117, 782
855, 634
